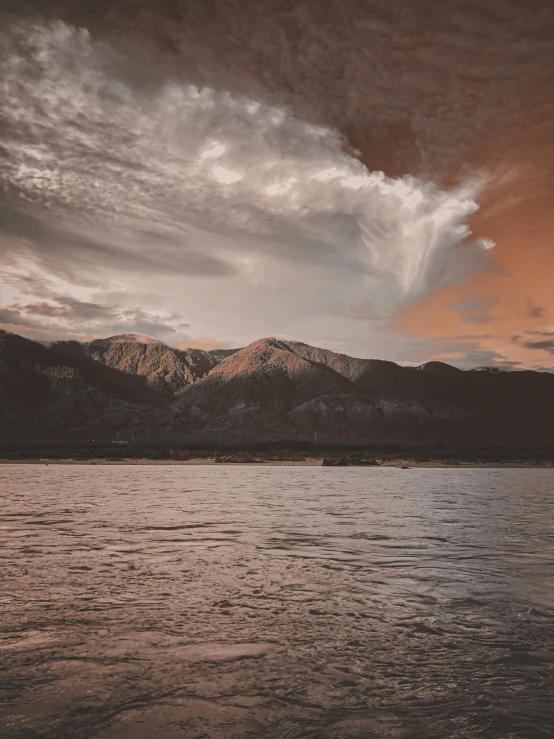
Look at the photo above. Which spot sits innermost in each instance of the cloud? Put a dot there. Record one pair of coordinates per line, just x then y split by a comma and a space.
546, 345
471, 358
543, 340
69, 248
534, 311
368, 68
70, 317
174, 178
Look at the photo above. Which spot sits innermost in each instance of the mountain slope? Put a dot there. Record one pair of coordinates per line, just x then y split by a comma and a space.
253, 391
58, 391
348, 367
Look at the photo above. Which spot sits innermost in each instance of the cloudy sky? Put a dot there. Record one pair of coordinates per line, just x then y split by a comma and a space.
373, 176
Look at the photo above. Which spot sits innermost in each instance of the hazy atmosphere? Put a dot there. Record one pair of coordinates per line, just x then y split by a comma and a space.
374, 178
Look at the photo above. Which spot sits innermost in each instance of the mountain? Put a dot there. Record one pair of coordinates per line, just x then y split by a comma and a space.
58, 391
164, 368
106, 386
272, 389
253, 392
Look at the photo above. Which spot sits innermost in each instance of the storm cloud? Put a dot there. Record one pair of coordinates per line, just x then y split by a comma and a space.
135, 177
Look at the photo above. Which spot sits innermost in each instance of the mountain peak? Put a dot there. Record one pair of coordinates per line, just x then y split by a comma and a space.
438, 368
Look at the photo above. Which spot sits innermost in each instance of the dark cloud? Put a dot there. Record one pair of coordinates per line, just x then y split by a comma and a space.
472, 358
67, 307
13, 317
543, 340
486, 358
546, 345
534, 311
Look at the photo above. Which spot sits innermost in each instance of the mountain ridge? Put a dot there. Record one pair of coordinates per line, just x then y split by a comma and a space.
272, 389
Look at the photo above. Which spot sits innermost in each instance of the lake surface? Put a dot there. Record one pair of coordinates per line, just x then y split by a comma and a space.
276, 602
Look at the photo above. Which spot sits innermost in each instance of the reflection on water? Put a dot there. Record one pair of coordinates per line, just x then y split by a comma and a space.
278, 602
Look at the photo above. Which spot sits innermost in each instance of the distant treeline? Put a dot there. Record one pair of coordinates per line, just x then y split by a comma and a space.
181, 449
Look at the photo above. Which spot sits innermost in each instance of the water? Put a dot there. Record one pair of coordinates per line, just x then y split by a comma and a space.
278, 602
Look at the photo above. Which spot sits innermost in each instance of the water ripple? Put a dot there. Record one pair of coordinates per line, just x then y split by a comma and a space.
276, 602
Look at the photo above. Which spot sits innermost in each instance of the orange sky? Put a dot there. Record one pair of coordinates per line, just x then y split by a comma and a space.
520, 286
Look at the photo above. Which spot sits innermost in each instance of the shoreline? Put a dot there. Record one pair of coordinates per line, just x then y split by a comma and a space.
308, 462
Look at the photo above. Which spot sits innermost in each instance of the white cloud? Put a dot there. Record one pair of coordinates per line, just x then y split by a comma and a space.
226, 176
200, 169
213, 151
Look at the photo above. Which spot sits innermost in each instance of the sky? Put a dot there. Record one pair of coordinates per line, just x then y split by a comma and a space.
371, 176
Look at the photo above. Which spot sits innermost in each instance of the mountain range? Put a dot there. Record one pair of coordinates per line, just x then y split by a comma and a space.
271, 390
